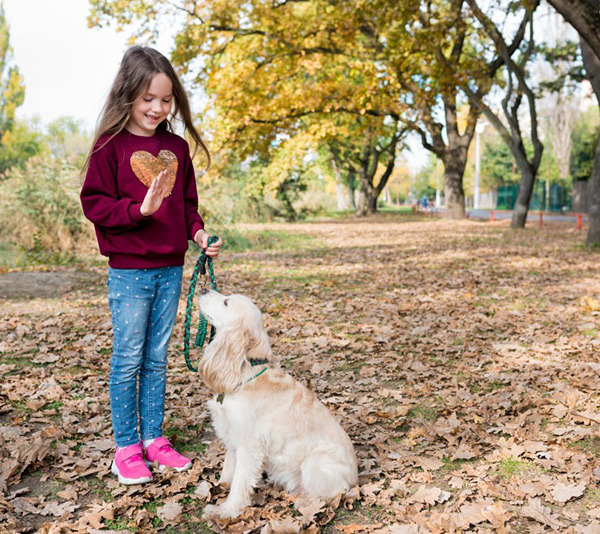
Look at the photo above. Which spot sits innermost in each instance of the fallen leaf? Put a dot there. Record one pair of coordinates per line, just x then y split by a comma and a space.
309, 508
565, 492
284, 526
203, 490
169, 511
430, 495
542, 514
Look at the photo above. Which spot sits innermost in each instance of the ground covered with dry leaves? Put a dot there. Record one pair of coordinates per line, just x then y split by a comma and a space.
462, 358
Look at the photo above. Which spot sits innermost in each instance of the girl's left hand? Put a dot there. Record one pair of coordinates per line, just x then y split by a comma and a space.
201, 238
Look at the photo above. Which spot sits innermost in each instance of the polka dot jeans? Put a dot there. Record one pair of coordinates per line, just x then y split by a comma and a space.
143, 306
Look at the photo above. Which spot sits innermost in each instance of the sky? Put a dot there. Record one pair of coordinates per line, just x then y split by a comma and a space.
68, 68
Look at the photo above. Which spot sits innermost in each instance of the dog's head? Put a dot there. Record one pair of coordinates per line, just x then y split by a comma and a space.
240, 339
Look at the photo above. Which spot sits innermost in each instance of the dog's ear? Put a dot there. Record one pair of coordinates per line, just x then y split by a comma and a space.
221, 365
259, 346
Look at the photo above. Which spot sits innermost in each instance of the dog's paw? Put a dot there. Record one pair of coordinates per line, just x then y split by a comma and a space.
222, 511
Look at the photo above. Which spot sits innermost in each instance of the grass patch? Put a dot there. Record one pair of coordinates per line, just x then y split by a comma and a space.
104, 494
21, 406
186, 439
10, 255
589, 445
360, 514
242, 240
15, 256
119, 524
486, 388
20, 361
195, 446
97, 486
429, 413
354, 366
516, 466
590, 500
152, 505
453, 465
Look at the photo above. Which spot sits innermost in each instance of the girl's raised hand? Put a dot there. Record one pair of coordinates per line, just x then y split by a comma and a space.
155, 195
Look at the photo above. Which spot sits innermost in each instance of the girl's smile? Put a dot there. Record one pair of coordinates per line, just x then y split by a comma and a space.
152, 106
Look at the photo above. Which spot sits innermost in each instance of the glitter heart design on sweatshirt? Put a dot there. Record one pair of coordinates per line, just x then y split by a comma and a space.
147, 167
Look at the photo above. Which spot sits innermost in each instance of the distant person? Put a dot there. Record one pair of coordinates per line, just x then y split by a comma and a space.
424, 202
140, 193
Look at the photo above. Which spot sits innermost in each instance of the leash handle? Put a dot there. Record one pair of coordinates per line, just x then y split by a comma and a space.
203, 264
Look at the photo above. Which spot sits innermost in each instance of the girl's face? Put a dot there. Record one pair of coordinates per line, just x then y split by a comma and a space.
152, 106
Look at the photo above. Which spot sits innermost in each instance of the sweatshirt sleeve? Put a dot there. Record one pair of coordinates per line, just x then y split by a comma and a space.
193, 220
99, 195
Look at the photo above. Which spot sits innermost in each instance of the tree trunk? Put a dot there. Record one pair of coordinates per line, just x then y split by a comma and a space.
454, 170
367, 199
593, 236
591, 63
519, 216
455, 196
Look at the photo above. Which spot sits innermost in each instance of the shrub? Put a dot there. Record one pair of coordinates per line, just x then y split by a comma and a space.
40, 209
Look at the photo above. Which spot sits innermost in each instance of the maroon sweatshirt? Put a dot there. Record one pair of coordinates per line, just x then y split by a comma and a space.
113, 192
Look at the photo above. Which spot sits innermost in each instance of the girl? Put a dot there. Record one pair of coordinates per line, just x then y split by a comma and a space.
140, 193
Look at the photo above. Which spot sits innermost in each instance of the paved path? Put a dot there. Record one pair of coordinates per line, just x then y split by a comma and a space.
532, 216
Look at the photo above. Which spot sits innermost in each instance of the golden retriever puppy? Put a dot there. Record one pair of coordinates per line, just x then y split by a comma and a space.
267, 420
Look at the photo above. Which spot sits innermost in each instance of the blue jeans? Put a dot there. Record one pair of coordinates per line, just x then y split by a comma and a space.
143, 305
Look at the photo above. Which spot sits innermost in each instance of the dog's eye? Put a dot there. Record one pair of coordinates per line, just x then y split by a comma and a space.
225, 302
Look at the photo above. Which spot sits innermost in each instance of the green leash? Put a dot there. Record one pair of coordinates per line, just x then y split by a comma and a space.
203, 265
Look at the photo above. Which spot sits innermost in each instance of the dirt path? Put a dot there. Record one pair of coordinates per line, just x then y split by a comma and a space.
461, 357
41, 285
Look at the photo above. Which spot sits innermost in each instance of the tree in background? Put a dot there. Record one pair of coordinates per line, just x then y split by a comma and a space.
497, 164
561, 74
20, 143
67, 138
358, 149
399, 184
584, 138
16, 142
427, 179
516, 92
265, 65
584, 16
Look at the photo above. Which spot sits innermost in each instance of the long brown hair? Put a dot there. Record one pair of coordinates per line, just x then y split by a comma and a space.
138, 66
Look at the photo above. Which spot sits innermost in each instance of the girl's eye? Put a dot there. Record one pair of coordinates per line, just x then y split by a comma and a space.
167, 101
147, 100
225, 302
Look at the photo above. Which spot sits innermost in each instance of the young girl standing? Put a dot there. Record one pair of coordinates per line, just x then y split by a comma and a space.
140, 193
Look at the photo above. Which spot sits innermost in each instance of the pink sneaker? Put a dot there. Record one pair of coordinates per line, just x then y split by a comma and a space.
129, 465
160, 451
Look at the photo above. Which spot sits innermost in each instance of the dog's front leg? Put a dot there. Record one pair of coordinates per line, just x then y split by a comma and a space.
228, 467
247, 471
